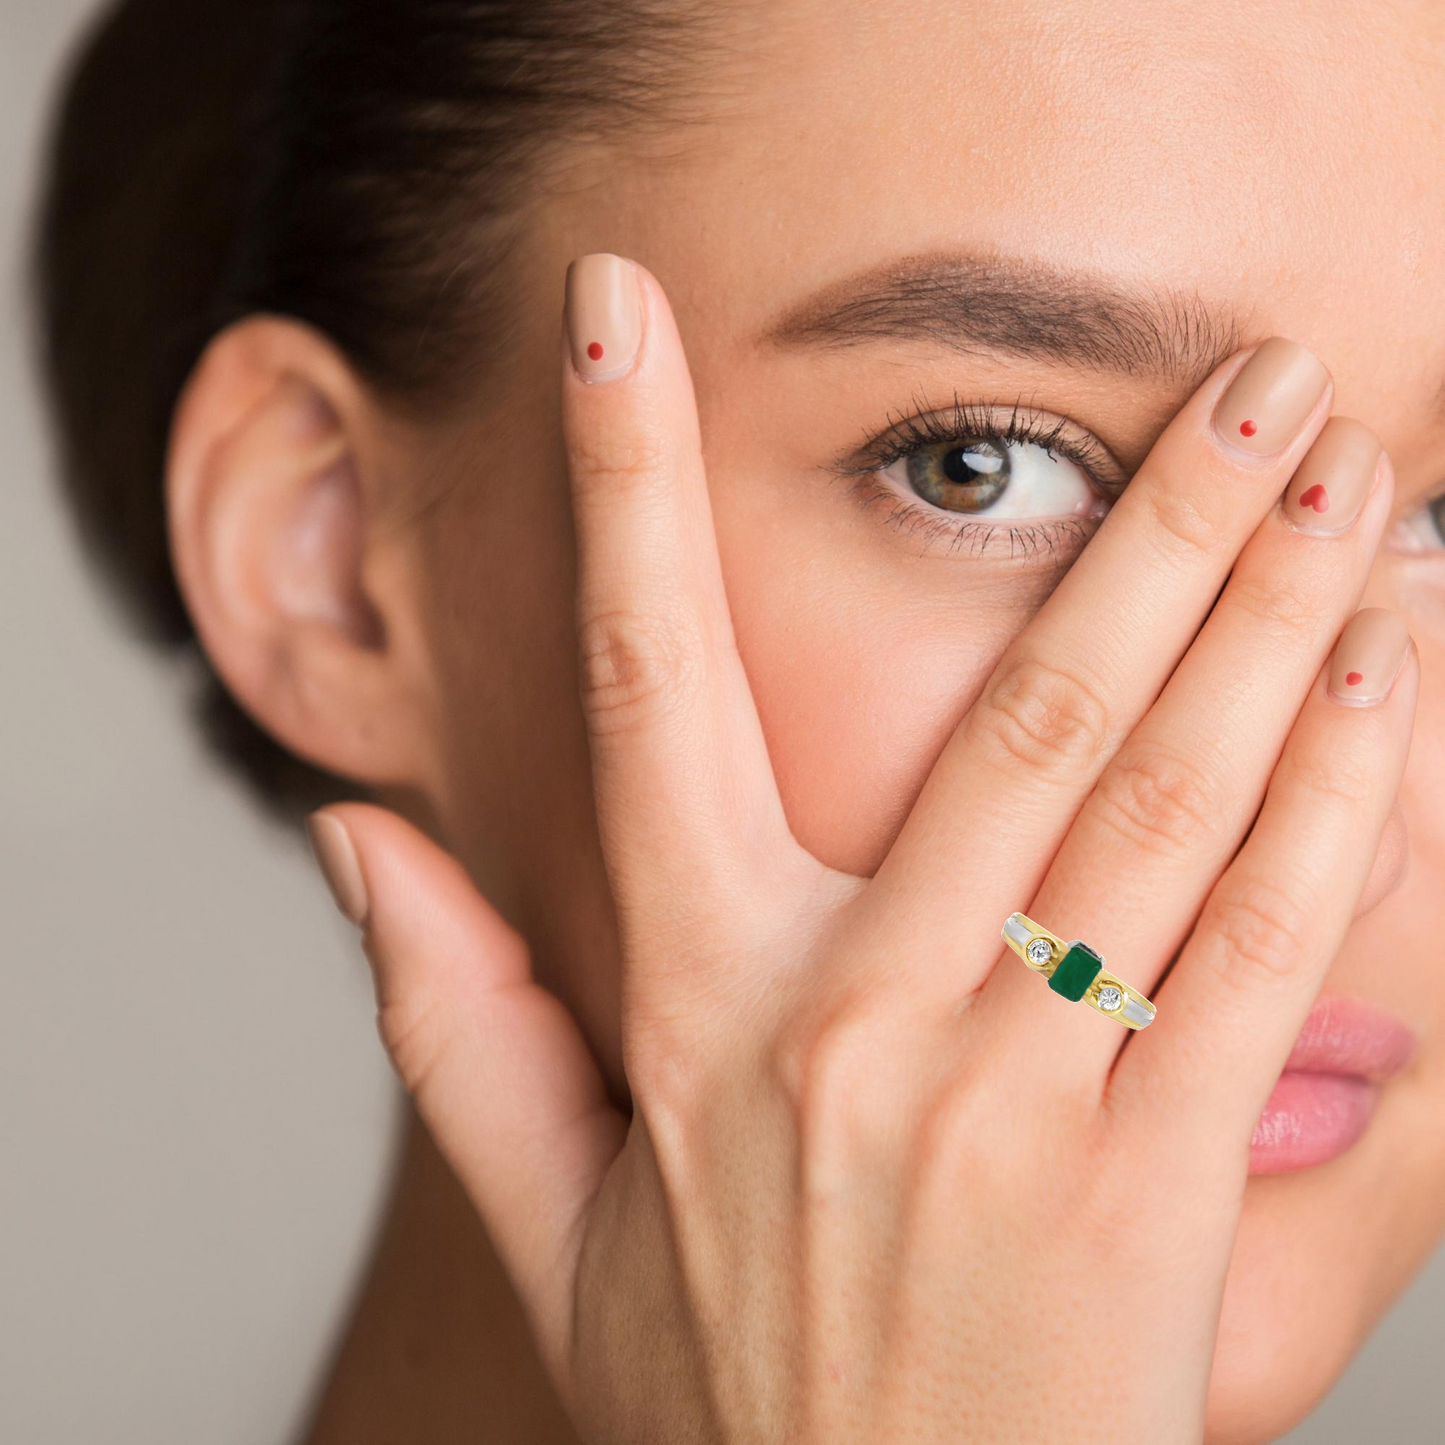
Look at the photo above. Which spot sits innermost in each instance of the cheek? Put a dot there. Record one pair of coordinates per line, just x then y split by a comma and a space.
1391, 862
1318, 1257
858, 689
1298, 1298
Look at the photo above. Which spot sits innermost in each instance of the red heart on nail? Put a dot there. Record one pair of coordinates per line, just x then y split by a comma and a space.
1354, 678
1315, 497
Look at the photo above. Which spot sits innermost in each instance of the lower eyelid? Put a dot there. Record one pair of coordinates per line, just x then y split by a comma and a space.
1411, 534
1014, 540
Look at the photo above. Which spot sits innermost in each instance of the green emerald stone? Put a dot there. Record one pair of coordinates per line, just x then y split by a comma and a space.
1076, 971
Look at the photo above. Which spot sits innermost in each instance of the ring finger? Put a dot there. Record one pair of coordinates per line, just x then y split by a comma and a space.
1170, 809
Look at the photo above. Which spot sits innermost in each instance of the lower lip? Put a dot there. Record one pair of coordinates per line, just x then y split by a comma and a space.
1310, 1119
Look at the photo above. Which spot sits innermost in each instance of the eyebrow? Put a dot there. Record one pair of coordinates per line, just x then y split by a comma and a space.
1017, 307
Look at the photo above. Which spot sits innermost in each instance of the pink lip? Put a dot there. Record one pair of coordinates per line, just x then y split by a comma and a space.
1325, 1097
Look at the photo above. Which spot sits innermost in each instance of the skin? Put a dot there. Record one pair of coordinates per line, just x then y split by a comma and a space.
395, 601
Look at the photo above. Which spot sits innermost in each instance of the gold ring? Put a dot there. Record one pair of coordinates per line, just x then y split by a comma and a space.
1076, 972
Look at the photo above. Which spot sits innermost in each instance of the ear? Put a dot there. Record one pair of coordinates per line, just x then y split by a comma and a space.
273, 498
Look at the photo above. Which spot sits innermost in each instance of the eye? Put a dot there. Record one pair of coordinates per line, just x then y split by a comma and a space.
1027, 479
992, 476
1422, 530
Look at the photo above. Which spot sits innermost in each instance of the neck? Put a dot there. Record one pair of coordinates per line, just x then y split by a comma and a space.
437, 1350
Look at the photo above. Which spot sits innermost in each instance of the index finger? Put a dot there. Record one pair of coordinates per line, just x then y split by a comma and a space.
1081, 675
690, 817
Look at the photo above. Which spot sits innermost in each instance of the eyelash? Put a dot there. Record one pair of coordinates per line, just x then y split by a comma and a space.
1434, 509
958, 422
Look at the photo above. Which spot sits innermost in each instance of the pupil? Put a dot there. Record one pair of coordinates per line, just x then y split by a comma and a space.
969, 476
978, 461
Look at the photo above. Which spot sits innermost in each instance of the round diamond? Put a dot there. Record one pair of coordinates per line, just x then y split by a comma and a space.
1040, 950
1111, 996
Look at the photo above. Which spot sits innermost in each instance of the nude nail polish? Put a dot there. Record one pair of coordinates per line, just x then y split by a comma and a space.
336, 855
604, 315
1368, 657
1271, 398
1329, 487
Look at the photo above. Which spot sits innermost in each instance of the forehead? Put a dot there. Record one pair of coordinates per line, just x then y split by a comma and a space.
1287, 160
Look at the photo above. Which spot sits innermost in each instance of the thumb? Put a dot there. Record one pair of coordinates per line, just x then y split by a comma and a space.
499, 1070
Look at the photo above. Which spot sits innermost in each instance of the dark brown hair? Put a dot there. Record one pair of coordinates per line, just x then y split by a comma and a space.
367, 166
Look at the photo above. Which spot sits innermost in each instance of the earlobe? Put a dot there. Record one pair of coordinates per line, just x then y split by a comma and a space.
268, 518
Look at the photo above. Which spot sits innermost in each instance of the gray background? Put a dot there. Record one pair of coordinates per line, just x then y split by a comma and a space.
196, 1120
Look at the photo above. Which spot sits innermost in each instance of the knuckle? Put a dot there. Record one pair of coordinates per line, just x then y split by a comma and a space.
1282, 602
954, 1135
827, 1069
415, 1038
810, 1055
959, 1135
1155, 797
661, 1055
1331, 774
1185, 527
1109, 1200
617, 464
1041, 715
1259, 926
668, 1083
632, 666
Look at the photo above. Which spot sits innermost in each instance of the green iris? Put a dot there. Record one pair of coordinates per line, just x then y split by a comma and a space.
961, 477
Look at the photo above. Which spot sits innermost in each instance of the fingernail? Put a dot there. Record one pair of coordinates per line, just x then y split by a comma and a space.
1328, 490
604, 315
336, 854
1270, 399
1368, 656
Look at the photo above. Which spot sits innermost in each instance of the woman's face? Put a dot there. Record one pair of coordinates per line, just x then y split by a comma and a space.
1076, 209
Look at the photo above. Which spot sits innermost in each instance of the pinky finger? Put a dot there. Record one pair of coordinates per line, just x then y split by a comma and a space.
1234, 1003
499, 1071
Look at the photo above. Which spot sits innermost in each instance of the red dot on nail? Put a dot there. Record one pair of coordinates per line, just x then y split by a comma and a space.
1354, 679
1247, 428
595, 351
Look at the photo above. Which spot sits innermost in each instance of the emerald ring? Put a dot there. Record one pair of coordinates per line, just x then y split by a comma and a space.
1074, 970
